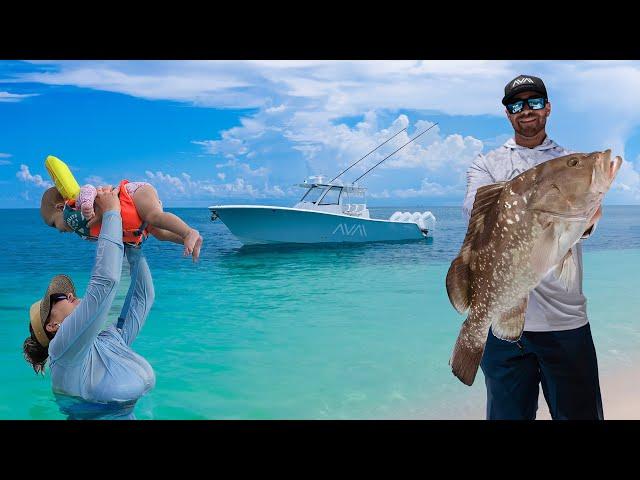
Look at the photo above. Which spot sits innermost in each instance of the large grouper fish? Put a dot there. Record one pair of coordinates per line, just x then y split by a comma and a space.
518, 231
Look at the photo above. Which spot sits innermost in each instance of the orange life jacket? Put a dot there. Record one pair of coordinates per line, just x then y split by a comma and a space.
134, 230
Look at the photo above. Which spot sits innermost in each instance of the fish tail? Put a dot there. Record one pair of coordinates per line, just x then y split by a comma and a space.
466, 356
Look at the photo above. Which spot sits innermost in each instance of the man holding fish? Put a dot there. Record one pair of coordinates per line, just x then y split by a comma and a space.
519, 271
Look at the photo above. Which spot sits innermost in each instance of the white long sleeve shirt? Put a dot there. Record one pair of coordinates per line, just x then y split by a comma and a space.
551, 306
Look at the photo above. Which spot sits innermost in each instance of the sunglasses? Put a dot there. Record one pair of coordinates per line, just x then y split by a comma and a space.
537, 103
56, 297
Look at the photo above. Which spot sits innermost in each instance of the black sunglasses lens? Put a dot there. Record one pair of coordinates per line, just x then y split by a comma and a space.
56, 297
515, 107
536, 103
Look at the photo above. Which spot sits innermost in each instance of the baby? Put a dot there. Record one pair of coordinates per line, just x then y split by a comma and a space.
79, 216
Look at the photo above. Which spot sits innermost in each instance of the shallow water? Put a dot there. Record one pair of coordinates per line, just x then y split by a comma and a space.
358, 331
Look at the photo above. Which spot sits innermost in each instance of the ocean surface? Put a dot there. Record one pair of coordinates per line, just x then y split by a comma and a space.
323, 332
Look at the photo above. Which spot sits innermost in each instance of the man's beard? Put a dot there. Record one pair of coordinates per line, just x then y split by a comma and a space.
530, 129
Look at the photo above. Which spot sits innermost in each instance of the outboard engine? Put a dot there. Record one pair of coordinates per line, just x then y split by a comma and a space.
425, 220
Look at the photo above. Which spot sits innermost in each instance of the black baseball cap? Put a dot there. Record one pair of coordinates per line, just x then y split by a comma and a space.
523, 83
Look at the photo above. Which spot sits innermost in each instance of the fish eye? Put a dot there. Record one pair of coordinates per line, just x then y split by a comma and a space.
572, 162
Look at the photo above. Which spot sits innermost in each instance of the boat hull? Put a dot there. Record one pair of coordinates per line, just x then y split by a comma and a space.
255, 225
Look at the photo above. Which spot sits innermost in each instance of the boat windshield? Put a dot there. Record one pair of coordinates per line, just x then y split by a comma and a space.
332, 197
313, 195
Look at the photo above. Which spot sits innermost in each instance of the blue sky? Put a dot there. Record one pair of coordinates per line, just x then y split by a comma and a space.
245, 131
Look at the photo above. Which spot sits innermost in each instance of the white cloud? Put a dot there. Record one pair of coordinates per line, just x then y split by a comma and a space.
433, 152
24, 175
5, 162
301, 105
15, 97
429, 189
278, 109
205, 83
258, 172
95, 180
329, 148
186, 187
5, 155
626, 186
338, 87
160, 178
244, 168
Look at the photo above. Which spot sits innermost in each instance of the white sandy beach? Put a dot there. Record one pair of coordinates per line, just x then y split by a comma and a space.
620, 387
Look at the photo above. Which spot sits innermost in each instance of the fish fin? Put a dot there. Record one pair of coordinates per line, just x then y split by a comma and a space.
459, 275
511, 323
458, 284
544, 251
566, 270
467, 353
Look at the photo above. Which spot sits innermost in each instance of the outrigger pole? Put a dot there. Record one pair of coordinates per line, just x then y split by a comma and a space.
394, 152
353, 164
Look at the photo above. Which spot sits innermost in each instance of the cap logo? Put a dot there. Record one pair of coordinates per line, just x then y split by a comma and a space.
520, 81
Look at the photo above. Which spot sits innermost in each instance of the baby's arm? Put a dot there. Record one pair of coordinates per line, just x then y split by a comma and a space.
85, 200
165, 235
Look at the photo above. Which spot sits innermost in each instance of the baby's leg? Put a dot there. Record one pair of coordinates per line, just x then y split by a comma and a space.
149, 208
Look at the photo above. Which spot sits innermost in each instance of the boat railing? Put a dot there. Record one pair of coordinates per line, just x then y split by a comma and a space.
353, 208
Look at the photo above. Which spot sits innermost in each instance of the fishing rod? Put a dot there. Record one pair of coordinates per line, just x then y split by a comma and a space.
394, 152
353, 164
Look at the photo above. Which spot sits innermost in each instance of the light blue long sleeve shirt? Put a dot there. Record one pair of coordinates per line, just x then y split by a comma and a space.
551, 306
94, 363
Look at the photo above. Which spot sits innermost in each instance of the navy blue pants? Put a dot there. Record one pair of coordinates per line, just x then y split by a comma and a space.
563, 362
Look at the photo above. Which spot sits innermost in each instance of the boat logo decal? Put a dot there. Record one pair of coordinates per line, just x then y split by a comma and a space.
350, 231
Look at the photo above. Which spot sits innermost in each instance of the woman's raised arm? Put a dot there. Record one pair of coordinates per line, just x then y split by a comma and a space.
141, 295
78, 331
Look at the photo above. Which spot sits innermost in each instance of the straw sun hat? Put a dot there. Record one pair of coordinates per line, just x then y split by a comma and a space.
40, 310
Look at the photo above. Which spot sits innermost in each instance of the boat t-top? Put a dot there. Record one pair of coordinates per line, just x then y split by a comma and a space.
328, 212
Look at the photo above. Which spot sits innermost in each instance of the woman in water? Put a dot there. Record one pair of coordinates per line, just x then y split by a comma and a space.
94, 371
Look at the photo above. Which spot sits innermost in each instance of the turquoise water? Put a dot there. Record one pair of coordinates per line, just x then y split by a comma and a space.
361, 331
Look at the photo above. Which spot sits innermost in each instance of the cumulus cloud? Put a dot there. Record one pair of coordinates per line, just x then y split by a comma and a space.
243, 168
300, 107
159, 178
626, 186
25, 175
185, 186
329, 148
429, 189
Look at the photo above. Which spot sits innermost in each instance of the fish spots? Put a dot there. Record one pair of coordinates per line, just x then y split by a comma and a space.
509, 221
517, 218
